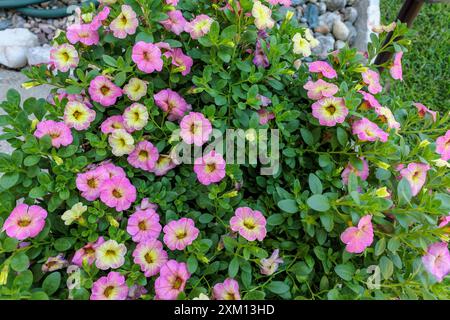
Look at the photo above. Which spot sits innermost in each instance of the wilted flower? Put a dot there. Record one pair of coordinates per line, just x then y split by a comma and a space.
54, 263
270, 265
423, 110
396, 68
363, 174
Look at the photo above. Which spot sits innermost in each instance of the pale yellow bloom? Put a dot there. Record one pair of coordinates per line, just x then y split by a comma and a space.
121, 142
301, 45
263, 16
74, 214
313, 42
202, 296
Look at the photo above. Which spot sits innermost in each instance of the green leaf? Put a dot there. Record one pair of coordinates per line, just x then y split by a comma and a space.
278, 287
345, 271
31, 160
386, 267
233, 267
24, 280
10, 244
51, 283
39, 295
318, 202
307, 136
275, 219
288, 205
315, 185
404, 191
9, 180
192, 263
380, 246
20, 262
206, 218
63, 244
342, 136
255, 295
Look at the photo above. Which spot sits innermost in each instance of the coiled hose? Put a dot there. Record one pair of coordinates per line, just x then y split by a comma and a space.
22, 7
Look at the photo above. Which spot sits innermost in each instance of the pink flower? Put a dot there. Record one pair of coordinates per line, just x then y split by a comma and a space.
64, 57
195, 129
445, 221
183, 62
366, 130
59, 132
396, 69
163, 165
178, 234
320, 89
172, 2
135, 117
146, 204
144, 225
265, 101
110, 287
144, 156
350, 169
150, 256
147, 57
77, 115
104, 91
113, 170
90, 183
422, 110
82, 33
286, 3
171, 102
110, 254
443, 146
118, 193
70, 97
261, 59
416, 175
199, 27
87, 253
323, 68
125, 23
228, 290
370, 99
175, 23
250, 224
385, 114
330, 111
171, 281
265, 116
358, 238
25, 222
372, 79
112, 123
97, 21
269, 266
437, 260
210, 168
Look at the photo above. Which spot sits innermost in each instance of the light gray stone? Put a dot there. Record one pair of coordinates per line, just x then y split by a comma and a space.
327, 19
352, 32
326, 44
339, 44
368, 17
340, 30
14, 44
336, 4
38, 55
350, 14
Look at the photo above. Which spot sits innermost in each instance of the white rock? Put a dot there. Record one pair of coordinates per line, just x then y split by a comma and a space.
340, 30
328, 19
38, 55
14, 44
339, 44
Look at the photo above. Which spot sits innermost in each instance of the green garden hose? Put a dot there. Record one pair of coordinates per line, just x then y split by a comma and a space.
21, 6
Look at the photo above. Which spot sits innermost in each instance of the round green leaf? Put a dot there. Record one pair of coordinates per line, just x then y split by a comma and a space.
318, 202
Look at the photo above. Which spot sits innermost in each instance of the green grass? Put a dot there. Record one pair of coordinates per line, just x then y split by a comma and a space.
426, 70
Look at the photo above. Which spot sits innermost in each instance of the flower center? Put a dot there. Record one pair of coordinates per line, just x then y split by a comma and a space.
230, 296
65, 56
136, 115
24, 222
92, 183
77, 114
105, 90
110, 253
142, 225
117, 193
54, 135
181, 234
89, 251
149, 257
108, 291
249, 224
211, 167
177, 283
331, 109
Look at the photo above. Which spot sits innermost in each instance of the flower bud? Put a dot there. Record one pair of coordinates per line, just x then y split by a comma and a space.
424, 144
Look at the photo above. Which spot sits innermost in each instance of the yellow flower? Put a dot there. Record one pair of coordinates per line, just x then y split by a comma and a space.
263, 16
313, 42
202, 296
301, 45
382, 192
121, 142
74, 214
135, 89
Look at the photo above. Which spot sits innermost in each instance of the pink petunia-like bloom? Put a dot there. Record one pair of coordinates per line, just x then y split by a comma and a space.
330, 111
416, 175
199, 27
228, 290
150, 256
172, 280
175, 23
135, 117
444, 221
59, 132
320, 89
385, 114
437, 260
358, 238
77, 115
144, 225
261, 59
144, 156
87, 253
110, 254
366, 130
111, 124
82, 33
104, 91
135, 89
195, 129
324, 68
286, 3
118, 193
171, 102
422, 110
163, 165
350, 169
125, 23
370, 100
112, 170
172, 2
372, 79
25, 222
443, 146
98, 20
250, 224
265, 116
183, 62
147, 57
146, 204
64, 57
90, 183
210, 168
70, 97
270, 265
110, 287
396, 69
178, 234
